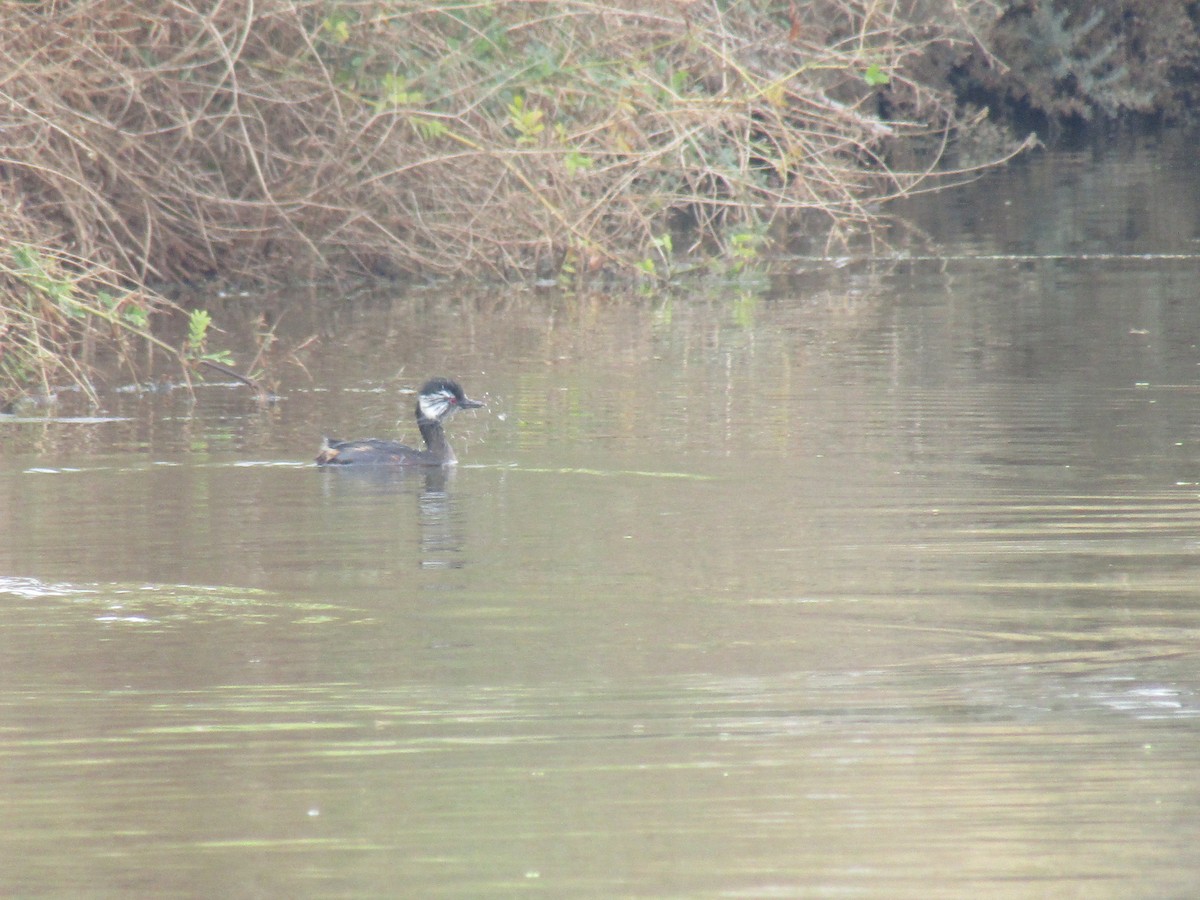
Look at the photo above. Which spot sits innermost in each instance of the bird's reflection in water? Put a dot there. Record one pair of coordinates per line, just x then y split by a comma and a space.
441, 536
439, 522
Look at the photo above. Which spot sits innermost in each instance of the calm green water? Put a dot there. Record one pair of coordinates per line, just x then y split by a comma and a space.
875, 581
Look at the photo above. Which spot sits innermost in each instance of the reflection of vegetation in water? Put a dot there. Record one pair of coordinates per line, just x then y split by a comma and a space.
742, 308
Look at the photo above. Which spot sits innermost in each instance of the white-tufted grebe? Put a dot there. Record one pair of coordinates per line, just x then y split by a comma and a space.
439, 399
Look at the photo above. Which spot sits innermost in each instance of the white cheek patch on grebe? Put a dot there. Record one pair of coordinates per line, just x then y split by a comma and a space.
434, 406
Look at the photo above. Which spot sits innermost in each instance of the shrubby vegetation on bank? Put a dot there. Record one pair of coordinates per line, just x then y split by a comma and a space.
153, 143
1071, 63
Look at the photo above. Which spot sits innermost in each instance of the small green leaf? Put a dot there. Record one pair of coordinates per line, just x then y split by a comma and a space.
338, 27
137, 317
575, 161
428, 128
875, 76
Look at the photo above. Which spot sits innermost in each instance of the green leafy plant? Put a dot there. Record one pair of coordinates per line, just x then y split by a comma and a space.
195, 346
526, 120
53, 311
661, 268
131, 313
428, 128
577, 162
31, 268
337, 26
394, 92
744, 248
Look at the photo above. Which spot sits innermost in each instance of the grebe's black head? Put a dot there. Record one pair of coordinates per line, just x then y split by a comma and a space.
440, 397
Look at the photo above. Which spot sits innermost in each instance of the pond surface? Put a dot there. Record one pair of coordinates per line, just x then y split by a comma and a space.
881, 580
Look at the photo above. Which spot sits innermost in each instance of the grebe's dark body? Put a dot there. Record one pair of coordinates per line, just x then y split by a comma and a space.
439, 399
